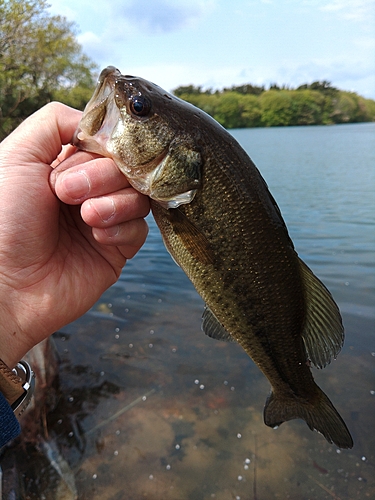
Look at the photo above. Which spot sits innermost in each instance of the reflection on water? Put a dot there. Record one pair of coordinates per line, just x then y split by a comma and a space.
152, 408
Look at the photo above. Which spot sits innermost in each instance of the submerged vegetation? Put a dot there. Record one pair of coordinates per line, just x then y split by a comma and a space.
318, 103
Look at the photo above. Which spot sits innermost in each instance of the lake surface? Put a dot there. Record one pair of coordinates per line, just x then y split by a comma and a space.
152, 408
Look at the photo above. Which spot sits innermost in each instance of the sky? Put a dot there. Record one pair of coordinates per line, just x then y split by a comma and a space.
221, 43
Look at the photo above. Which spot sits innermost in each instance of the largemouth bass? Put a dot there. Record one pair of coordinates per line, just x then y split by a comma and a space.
223, 227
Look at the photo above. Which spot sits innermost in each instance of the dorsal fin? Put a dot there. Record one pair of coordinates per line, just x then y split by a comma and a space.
323, 333
213, 328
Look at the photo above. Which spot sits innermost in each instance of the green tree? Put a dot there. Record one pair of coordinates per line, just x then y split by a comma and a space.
40, 60
251, 114
276, 108
307, 106
228, 110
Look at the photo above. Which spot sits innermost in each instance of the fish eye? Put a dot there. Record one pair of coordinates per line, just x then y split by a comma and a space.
140, 105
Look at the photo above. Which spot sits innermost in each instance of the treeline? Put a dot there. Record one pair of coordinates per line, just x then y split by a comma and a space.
318, 103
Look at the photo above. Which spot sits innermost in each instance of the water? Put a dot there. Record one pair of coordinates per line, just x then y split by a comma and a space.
152, 408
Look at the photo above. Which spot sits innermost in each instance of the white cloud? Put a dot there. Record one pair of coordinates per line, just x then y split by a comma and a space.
159, 16
352, 10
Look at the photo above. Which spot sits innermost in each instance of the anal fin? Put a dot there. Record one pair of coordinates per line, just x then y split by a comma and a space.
213, 328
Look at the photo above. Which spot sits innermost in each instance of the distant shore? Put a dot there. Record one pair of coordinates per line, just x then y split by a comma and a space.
245, 106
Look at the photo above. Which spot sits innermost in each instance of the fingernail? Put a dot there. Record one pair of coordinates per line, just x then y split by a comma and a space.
112, 231
77, 185
105, 208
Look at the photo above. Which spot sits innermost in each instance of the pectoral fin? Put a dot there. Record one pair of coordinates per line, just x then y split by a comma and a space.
323, 333
191, 237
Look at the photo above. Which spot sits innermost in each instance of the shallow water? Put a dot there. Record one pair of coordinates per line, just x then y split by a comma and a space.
152, 408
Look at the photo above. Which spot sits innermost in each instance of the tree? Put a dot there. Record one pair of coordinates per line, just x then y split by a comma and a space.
307, 106
40, 60
276, 106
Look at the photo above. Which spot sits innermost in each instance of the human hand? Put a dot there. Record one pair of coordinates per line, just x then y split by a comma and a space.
62, 242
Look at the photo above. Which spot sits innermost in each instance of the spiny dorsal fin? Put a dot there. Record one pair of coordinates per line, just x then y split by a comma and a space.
323, 333
213, 328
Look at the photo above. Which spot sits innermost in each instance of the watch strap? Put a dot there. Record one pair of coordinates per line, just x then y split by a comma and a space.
11, 385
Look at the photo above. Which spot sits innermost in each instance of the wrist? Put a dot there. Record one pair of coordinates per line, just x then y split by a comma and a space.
12, 339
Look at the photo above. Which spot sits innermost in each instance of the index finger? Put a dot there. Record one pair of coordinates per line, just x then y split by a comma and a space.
85, 175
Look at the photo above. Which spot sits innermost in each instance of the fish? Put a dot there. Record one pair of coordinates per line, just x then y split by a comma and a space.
223, 227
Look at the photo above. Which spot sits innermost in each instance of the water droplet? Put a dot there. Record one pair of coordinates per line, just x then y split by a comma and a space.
131, 346
109, 305
373, 354
63, 339
239, 436
240, 478
118, 432
126, 310
94, 476
115, 453
246, 467
160, 300
70, 399
168, 467
71, 434
151, 477
101, 374
177, 446
201, 386
196, 381
117, 330
372, 393
232, 388
225, 382
360, 479
117, 336
144, 398
364, 459
338, 451
152, 332
247, 460
59, 421
150, 346
346, 283
174, 349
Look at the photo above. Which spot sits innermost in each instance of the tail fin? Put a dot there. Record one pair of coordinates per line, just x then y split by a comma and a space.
320, 415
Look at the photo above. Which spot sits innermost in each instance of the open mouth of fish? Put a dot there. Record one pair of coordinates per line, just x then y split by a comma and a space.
101, 115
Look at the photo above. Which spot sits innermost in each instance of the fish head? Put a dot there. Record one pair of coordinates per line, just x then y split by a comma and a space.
147, 132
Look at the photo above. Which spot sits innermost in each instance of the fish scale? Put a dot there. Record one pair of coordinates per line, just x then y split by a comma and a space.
221, 224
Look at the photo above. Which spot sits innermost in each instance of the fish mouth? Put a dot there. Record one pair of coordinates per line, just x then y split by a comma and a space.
100, 115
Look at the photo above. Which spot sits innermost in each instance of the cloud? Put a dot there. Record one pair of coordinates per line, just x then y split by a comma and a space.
352, 10
161, 16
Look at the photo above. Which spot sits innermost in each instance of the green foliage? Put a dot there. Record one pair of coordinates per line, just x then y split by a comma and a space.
40, 61
318, 103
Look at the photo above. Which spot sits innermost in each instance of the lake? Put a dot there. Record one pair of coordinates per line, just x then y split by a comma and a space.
152, 408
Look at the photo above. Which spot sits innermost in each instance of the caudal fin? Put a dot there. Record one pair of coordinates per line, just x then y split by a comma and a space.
320, 415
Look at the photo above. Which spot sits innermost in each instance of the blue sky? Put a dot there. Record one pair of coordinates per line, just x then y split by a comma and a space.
220, 43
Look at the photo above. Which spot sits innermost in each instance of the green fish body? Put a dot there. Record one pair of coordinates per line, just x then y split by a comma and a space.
223, 227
